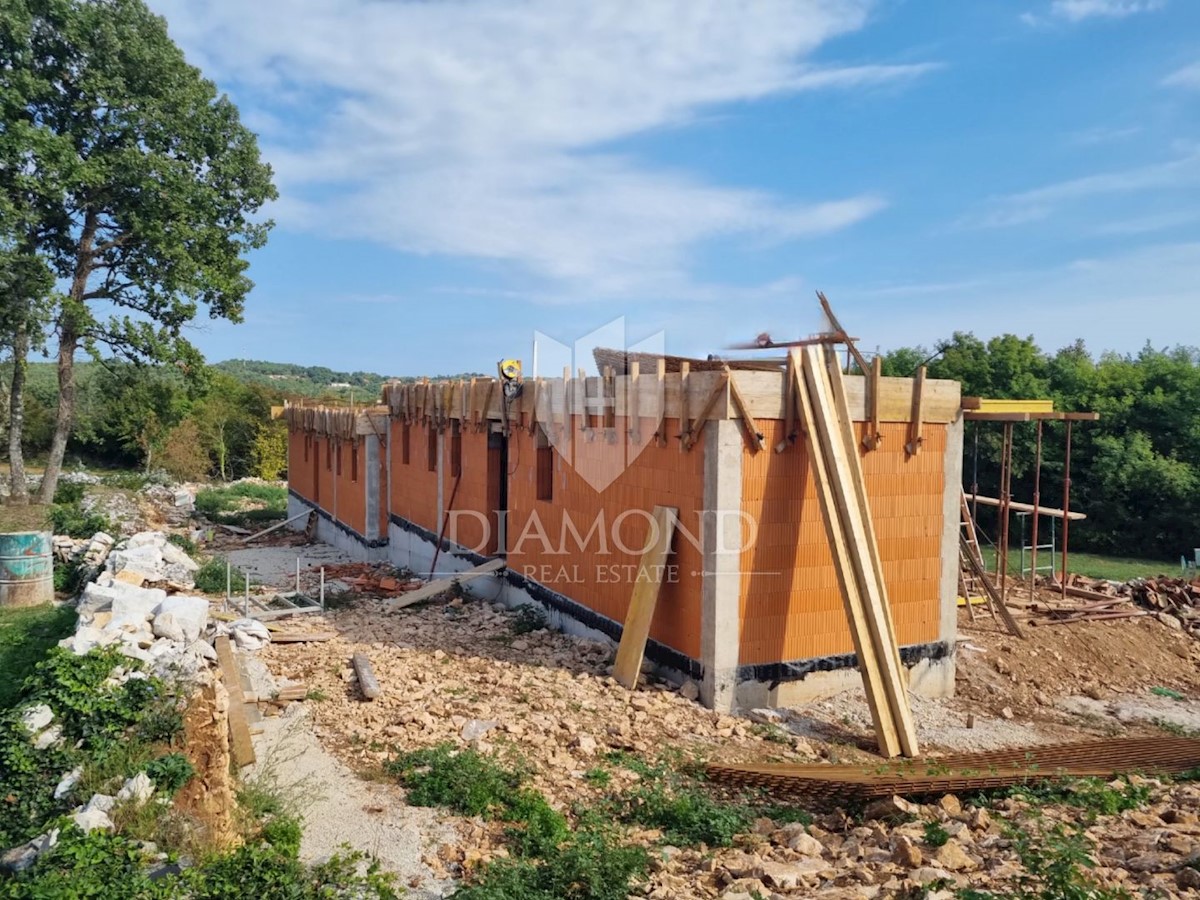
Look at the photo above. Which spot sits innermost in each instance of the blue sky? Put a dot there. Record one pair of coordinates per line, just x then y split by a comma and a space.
455, 176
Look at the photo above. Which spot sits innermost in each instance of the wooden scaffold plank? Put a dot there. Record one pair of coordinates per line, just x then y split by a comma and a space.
642, 604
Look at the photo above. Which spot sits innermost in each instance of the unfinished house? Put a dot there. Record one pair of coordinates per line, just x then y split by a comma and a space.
560, 476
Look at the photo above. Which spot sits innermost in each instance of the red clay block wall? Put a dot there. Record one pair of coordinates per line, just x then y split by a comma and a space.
351, 506
600, 580
474, 526
299, 467
414, 489
790, 604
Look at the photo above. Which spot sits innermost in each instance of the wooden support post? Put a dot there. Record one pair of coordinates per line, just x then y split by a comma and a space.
660, 431
533, 412
646, 585
585, 414
789, 406
873, 437
633, 402
915, 439
609, 393
487, 402
685, 423
568, 422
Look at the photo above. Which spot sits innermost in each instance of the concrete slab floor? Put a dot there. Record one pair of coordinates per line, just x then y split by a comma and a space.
275, 567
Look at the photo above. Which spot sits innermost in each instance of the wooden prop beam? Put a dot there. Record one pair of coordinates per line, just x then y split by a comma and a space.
642, 604
852, 600
754, 435
239, 728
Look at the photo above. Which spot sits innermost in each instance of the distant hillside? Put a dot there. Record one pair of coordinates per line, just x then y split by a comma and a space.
305, 381
288, 379
312, 381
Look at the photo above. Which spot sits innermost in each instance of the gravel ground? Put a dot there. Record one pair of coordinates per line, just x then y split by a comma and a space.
339, 807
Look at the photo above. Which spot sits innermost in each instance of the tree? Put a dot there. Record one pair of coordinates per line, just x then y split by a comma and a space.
141, 184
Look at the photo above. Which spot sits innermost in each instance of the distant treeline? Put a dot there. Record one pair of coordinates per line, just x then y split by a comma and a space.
1135, 473
212, 421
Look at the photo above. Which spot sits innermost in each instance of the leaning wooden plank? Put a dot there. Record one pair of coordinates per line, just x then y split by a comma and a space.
990, 588
275, 527
849, 492
436, 588
239, 728
877, 702
368, 684
272, 614
645, 597
302, 637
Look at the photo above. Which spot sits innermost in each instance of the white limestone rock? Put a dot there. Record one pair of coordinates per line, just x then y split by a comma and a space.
92, 820
138, 789
37, 717
67, 782
181, 618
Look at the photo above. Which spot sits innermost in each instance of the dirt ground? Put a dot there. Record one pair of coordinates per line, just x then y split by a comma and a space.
456, 671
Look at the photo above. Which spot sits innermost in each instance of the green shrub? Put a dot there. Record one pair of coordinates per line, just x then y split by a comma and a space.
72, 521
184, 543
686, 814
211, 577
126, 481
284, 834
68, 493
590, 865
1093, 795
1056, 864
550, 861
170, 773
462, 780
69, 577
935, 834
104, 866
527, 617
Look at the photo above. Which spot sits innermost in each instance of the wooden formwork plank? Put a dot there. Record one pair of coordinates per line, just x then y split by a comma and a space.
635, 409
239, 728
441, 585
693, 431
864, 648
837, 443
646, 588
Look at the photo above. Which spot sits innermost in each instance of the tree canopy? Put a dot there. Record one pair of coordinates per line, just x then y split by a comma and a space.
1136, 472
128, 177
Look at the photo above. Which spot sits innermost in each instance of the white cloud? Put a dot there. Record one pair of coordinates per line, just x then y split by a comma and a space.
1078, 10
1188, 78
485, 129
1040, 203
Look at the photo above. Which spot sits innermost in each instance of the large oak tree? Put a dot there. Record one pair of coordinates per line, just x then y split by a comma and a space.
129, 177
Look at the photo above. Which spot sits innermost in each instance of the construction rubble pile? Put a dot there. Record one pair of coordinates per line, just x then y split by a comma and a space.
1173, 601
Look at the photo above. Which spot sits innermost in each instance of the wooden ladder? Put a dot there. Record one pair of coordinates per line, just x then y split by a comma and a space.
973, 573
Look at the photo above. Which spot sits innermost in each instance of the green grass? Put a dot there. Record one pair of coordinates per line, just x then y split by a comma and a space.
32, 517
244, 503
25, 636
1113, 568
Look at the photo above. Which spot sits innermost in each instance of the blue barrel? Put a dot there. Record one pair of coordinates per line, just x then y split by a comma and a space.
26, 568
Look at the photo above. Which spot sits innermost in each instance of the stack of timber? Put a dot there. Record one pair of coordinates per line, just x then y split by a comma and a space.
837, 471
